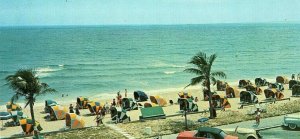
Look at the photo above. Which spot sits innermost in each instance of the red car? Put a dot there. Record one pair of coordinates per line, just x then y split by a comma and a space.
205, 133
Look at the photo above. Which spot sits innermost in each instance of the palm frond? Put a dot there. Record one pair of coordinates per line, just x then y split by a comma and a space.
194, 70
213, 80
212, 58
219, 74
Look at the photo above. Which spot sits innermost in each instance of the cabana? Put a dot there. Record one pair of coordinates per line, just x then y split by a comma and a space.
95, 107
185, 95
129, 104
16, 116
221, 86
82, 101
292, 83
27, 126
13, 107
118, 115
188, 104
140, 96
74, 121
220, 101
243, 83
282, 79
273, 94
232, 92
260, 82
296, 91
57, 112
278, 86
158, 100
254, 89
248, 97
48, 104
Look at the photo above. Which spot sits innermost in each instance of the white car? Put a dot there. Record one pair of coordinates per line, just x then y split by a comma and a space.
243, 133
292, 121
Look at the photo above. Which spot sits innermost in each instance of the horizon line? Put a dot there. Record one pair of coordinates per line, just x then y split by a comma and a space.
150, 24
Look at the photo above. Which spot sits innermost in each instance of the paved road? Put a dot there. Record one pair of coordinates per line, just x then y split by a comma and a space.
276, 133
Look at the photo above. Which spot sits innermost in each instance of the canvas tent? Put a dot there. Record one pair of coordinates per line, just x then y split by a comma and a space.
74, 121
57, 112
273, 94
282, 79
221, 86
248, 97
140, 96
296, 90
13, 107
82, 101
183, 94
260, 82
118, 115
292, 83
254, 89
232, 92
278, 86
187, 103
219, 101
129, 104
48, 104
158, 100
27, 125
16, 116
243, 83
94, 107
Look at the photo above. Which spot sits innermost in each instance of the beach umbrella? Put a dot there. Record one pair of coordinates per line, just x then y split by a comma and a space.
4, 116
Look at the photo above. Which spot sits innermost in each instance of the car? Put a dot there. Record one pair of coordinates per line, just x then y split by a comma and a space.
291, 121
205, 133
243, 133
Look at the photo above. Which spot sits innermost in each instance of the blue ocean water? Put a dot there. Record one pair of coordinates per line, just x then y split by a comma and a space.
93, 60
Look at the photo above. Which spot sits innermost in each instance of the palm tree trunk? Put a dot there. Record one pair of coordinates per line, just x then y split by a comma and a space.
32, 117
209, 100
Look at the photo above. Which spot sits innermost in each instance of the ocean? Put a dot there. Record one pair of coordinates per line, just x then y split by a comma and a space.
101, 60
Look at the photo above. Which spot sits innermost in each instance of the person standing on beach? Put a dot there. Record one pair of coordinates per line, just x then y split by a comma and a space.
114, 102
77, 109
98, 119
119, 99
293, 76
71, 109
257, 116
126, 93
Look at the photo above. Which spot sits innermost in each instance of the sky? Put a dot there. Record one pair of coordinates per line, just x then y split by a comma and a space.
119, 12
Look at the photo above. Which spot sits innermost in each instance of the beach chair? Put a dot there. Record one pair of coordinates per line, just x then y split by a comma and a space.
152, 113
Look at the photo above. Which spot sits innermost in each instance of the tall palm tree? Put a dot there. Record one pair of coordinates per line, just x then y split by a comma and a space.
205, 75
25, 83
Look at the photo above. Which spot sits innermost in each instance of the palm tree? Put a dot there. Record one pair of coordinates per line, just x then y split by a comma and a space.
205, 75
25, 83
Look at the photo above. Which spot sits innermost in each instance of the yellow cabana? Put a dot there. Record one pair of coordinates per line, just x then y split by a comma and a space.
13, 107
95, 107
184, 95
82, 101
58, 112
158, 100
27, 126
74, 121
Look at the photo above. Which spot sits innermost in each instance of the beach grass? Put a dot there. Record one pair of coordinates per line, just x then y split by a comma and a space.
100, 132
176, 124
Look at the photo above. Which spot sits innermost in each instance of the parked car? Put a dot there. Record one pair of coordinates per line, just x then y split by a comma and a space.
292, 121
243, 133
205, 133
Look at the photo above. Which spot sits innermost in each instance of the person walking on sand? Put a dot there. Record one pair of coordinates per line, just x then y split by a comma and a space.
114, 102
119, 99
293, 76
257, 116
71, 108
77, 109
98, 119
125, 93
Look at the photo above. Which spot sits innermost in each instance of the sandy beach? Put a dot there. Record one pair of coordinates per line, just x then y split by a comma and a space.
49, 126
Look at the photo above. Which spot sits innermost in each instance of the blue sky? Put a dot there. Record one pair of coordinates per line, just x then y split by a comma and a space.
103, 12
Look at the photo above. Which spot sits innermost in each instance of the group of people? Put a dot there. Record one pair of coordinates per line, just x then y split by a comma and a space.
119, 99
294, 78
71, 109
